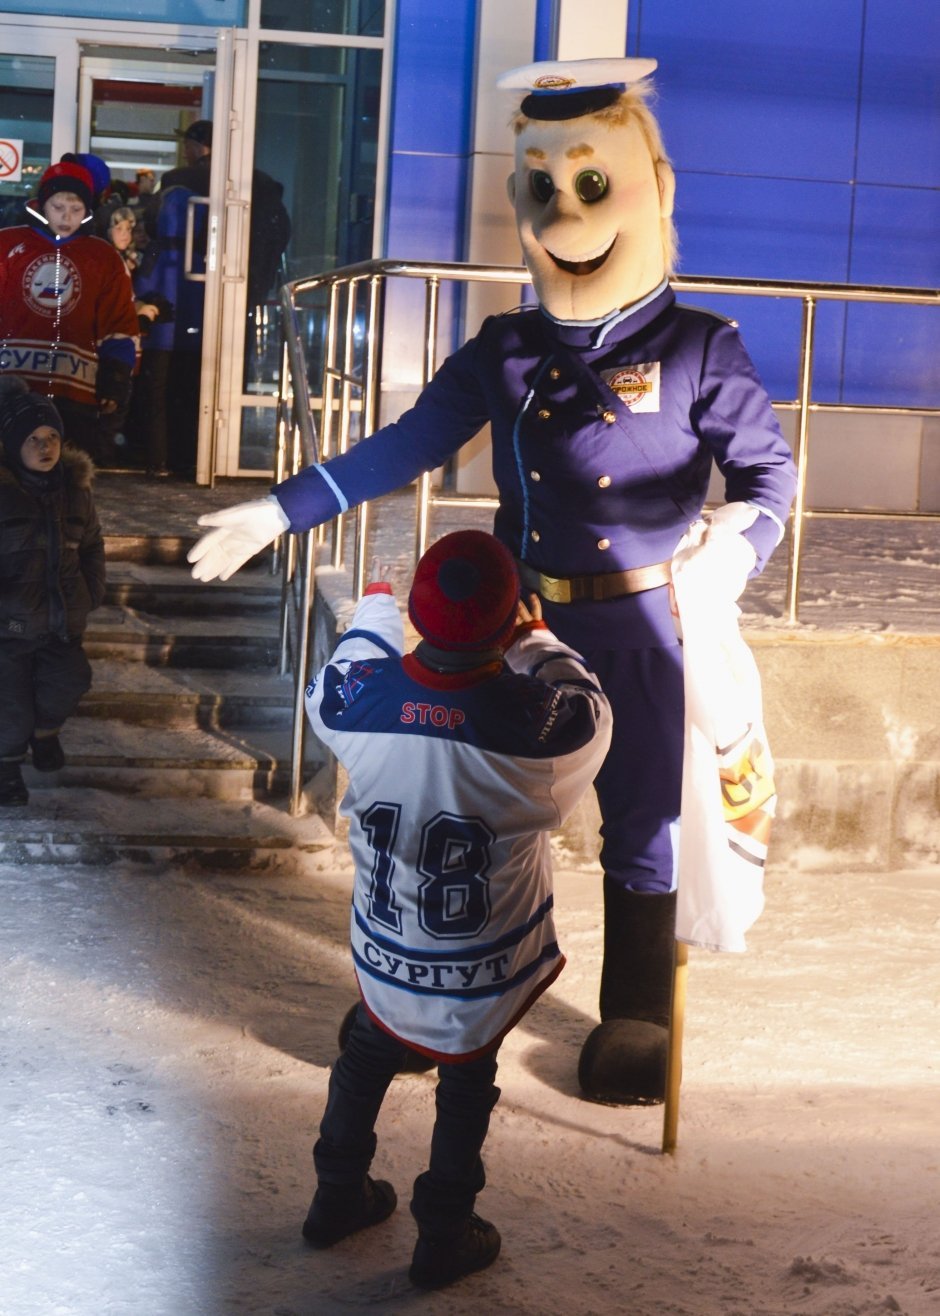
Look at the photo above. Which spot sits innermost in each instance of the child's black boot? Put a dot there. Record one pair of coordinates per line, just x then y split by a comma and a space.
437, 1262
336, 1212
47, 752
12, 787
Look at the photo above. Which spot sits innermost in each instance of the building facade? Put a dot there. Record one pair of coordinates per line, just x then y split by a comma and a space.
805, 139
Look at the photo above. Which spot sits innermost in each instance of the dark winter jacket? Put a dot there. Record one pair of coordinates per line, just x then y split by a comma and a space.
52, 571
161, 270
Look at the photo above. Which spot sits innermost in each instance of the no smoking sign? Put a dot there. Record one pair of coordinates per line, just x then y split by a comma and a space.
11, 159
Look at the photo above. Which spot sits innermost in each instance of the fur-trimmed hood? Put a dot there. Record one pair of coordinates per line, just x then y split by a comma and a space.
79, 468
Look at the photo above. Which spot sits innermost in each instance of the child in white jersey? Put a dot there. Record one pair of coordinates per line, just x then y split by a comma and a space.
461, 757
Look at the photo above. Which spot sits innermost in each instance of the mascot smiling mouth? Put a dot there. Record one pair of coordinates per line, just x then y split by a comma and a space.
586, 266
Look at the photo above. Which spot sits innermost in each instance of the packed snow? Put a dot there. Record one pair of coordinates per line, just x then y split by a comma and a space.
167, 1037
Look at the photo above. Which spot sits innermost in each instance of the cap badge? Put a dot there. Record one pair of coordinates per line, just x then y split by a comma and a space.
552, 82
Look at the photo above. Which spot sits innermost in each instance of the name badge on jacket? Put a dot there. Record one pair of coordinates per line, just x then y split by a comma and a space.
637, 386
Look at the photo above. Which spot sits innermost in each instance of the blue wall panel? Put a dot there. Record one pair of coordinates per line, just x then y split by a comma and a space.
426, 221
776, 118
771, 329
433, 88
772, 229
767, 228
432, 105
891, 356
806, 139
896, 236
899, 123
755, 88
891, 352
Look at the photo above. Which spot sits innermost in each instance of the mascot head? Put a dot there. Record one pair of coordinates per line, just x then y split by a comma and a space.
592, 187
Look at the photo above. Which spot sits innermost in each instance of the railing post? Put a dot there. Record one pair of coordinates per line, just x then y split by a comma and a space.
345, 411
802, 458
432, 287
328, 419
302, 657
280, 442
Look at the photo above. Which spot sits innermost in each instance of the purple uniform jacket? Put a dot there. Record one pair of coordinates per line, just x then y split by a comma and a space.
603, 440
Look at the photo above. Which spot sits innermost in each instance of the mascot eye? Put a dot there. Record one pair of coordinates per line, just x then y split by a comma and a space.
541, 185
590, 185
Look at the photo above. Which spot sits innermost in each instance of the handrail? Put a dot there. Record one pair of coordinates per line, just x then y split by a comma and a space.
298, 444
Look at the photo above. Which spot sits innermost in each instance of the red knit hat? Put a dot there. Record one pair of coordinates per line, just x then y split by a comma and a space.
465, 593
68, 177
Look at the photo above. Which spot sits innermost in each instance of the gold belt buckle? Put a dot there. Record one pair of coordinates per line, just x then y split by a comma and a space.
554, 590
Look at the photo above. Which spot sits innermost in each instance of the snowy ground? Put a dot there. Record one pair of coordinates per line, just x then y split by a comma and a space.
164, 1055
165, 1039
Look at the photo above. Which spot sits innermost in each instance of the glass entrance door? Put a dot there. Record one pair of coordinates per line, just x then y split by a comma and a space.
136, 94
308, 184
297, 101
36, 120
27, 94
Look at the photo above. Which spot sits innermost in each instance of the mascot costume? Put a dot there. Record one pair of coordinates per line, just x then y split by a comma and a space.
608, 403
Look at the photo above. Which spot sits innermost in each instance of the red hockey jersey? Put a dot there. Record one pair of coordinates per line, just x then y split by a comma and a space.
63, 305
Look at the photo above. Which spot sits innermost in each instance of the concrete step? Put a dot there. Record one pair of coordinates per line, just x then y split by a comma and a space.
197, 645
179, 595
211, 699
167, 762
148, 548
65, 824
139, 621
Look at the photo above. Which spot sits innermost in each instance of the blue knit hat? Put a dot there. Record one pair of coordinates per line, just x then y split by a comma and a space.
98, 168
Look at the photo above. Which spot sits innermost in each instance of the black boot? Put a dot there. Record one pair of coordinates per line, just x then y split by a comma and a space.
47, 752
624, 1059
12, 787
438, 1262
335, 1213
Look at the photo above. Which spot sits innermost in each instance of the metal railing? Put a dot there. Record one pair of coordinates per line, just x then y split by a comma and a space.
350, 393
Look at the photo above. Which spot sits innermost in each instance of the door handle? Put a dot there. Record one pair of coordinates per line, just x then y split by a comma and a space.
238, 273
188, 272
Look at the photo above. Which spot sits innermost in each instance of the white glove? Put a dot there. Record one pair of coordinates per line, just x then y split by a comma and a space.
715, 552
241, 531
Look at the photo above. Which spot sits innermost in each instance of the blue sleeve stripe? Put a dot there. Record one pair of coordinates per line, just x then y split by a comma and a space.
377, 640
337, 491
118, 348
433, 956
781, 528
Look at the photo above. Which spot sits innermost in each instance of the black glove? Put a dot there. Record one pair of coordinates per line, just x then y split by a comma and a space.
113, 383
163, 304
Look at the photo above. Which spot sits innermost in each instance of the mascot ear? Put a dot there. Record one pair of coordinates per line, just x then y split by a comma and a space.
511, 189
667, 188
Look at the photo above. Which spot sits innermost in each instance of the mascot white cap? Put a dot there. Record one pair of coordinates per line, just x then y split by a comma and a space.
593, 198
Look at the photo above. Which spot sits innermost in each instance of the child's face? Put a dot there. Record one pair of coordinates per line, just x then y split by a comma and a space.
121, 232
65, 212
41, 449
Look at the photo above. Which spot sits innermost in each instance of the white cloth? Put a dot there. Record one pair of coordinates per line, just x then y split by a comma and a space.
728, 793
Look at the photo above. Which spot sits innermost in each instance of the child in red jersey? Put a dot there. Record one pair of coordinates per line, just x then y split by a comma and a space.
68, 326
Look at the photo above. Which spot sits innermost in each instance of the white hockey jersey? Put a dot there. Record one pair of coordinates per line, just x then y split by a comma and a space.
454, 783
